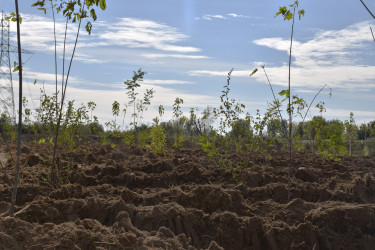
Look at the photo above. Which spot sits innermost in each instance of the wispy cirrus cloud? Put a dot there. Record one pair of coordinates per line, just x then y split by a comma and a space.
328, 58
327, 48
161, 40
225, 17
138, 33
166, 82
182, 56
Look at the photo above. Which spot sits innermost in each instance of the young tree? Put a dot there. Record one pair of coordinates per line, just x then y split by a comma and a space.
131, 86
18, 168
351, 131
177, 113
74, 11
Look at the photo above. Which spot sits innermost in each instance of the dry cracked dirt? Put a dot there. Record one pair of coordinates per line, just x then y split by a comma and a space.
129, 198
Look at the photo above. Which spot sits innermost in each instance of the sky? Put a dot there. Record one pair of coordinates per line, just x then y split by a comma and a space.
187, 48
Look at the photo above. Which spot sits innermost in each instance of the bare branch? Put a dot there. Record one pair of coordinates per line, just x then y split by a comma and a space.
367, 9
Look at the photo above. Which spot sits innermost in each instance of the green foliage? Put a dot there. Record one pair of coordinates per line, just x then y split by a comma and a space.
298, 144
331, 140
207, 146
229, 111
161, 112
288, 14
129, 138
74, 122
177, 107
178, 123
178, 140
13, 17
143, 137
351, 131
241, 128
74, 10
366, 151
158, 140
139, 105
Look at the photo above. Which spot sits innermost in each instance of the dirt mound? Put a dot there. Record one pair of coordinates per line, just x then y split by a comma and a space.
128, 198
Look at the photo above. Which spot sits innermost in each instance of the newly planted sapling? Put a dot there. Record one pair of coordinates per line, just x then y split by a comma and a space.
179, 121
143, 104
115, 113
74, 11
158, 140
229, 110
161, 112
124, 110
351, 131
131, 86
332, 143
91, 106
139, 105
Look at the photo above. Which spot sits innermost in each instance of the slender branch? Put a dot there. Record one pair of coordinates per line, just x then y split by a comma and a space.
62, 101
368, 9
63, 69
16, 179
313, 102
290, 107
54, 35
308, 109
276, 101
372, 34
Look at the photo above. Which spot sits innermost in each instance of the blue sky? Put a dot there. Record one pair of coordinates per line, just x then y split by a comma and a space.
188, 46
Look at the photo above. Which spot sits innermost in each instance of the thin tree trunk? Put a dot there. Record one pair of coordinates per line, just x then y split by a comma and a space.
290, 111
16, 179
62, 105
54, 36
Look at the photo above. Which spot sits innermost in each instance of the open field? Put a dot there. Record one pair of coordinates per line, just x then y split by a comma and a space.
128, 198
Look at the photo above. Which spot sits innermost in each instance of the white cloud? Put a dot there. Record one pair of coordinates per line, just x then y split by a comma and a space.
165, 82
183, 56
212, 17
328, 58
37, 36
104, 98
240, 73
346, 113
224, 17
138, 33
327, 47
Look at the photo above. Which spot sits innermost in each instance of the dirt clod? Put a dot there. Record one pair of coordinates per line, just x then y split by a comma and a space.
128, 198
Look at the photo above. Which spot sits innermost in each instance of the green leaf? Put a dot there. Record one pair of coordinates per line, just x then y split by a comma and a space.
34, 81
44, 10
284, 92
88, 27
254, 71
282, 11
103, 4
93, 14
301, 13
288, 16
89, 3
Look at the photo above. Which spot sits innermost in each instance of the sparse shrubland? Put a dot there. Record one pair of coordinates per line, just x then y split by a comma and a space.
217, 178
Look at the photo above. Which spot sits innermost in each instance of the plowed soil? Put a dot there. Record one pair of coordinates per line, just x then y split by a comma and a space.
129, 198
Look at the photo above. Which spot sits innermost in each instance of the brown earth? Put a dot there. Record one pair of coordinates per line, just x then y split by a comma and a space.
128, 198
